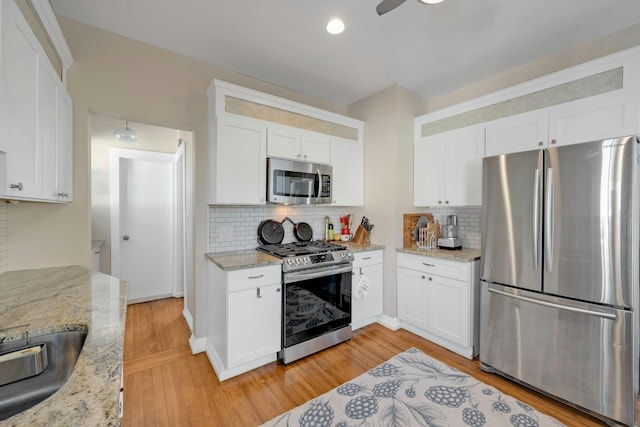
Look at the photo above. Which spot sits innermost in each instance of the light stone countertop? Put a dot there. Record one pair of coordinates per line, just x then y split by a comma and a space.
462, 255
251, 258
238, 260
71, 298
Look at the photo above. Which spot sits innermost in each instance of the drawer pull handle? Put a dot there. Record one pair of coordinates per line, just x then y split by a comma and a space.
256, 277
367, 257
428, 265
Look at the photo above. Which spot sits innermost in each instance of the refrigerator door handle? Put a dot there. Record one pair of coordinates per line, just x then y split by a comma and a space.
548, 229
536, 217
554, 305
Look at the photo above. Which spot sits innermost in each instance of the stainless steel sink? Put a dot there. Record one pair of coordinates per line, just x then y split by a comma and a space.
56, 361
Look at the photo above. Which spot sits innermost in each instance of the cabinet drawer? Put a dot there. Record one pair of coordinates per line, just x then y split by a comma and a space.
451, 269
362, 259
239, 280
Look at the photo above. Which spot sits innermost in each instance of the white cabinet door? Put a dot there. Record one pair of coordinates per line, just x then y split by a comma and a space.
412, 297
297, 144
603, 116
254, 324
449, 309
366, 307
348, 172
238, 162
19, 74
283, 142
428, 171
448, 168
521, 132
48, 130
463, 152
64, 143
315, 147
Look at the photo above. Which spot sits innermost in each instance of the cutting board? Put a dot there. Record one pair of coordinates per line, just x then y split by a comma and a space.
409, 222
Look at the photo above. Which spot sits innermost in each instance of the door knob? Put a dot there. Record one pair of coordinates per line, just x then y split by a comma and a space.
125, 237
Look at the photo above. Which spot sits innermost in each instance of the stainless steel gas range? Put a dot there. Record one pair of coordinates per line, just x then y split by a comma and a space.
316, 302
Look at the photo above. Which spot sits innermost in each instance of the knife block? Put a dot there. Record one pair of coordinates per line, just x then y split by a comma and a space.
361, 236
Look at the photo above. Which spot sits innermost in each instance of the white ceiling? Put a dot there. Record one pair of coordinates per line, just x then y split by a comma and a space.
430, 50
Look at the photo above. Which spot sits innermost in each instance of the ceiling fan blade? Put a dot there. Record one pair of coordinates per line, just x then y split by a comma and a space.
387, 6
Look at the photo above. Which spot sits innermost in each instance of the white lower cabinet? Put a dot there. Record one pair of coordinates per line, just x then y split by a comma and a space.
439, 300
366, 302
245, 318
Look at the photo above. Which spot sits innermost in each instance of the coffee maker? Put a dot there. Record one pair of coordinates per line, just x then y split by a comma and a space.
450, 239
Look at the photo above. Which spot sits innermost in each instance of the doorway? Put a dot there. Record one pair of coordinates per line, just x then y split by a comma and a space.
142, 230
140, 195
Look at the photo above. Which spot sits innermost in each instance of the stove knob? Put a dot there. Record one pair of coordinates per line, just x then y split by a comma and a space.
290, 261
305, 260
298, 261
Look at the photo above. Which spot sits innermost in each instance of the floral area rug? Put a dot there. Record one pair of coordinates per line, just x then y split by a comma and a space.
413, 389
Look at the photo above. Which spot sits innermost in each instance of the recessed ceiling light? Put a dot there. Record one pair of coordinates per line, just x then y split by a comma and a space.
335, 26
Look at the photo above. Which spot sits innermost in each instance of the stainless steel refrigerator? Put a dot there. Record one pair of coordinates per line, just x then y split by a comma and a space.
559, 271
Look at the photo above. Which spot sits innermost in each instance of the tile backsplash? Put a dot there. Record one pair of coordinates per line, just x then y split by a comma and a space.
469, 223
233, 228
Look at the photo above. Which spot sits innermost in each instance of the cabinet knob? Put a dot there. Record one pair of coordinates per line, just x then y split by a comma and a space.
540, 143
125, 237
299, 156
446, 202
278, 290
17, 186
304, 157
262, 199
430, 279
439, 202
258, 293
424, 277
553, 141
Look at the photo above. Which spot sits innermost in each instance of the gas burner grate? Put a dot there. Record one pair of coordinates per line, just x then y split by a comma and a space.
299, 248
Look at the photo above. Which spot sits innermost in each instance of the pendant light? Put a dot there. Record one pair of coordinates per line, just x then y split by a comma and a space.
125, 134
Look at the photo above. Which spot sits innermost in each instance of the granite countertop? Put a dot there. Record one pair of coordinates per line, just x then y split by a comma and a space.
358, 247
71, 298
463, 255
250, 258
238, 260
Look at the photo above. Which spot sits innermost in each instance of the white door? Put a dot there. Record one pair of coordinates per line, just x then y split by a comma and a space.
179, 221
142, 227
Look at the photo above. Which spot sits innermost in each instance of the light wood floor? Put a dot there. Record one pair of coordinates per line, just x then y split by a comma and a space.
165, 385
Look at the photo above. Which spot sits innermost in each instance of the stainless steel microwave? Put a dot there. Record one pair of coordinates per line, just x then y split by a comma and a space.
298, 183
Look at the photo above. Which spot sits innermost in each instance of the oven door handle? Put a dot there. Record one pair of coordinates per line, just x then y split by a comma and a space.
314, 274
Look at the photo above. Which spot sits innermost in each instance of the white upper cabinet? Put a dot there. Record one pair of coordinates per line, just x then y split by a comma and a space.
297, 144
596, 117
238, 162
347, 159
35, 112
21, 63
448, 168
603, 116
239, 144
521, 132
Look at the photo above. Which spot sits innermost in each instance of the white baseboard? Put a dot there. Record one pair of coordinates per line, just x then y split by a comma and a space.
198, 345
225, 374
388, 322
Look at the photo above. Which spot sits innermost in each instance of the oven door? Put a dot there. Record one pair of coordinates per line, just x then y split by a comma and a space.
315, 302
